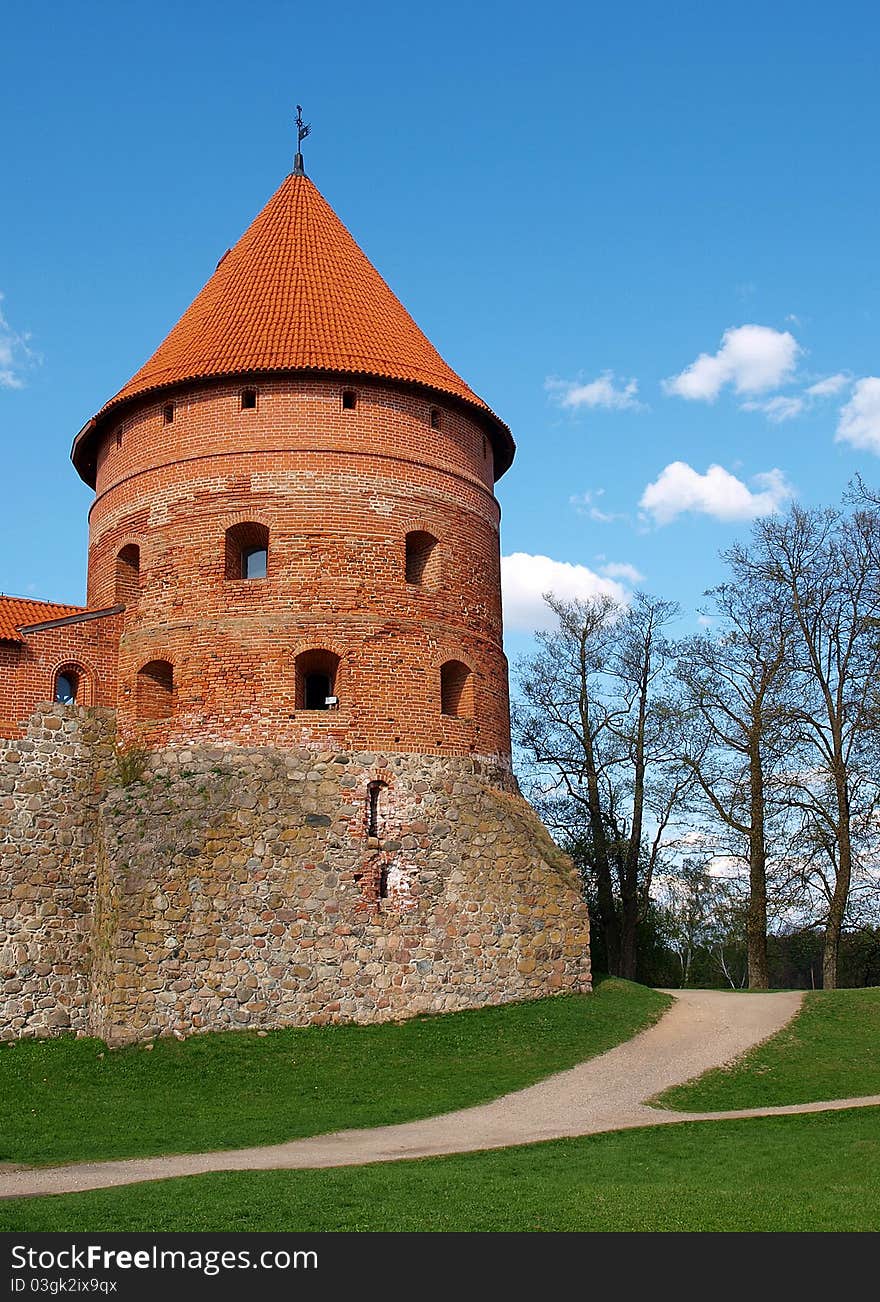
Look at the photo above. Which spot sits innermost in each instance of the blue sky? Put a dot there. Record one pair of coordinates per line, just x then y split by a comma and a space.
644, 233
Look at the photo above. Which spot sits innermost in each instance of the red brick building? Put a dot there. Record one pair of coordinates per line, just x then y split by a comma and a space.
294, 538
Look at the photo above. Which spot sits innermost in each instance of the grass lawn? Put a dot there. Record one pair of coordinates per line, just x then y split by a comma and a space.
815, 1172
831, 1050
65, 1100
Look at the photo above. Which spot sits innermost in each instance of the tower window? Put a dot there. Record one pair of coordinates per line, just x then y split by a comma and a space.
119, 436
247, 551
485, 447
66, 686
248, 399
315, 686
456, 690
128, 575
168, 413
349, 399
254, 561
374, 812
154, 696
435, 418
422, 558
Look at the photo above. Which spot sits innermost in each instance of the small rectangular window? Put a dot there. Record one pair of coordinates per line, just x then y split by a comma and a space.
168, 413
119, 437
349, 399
248, 399
435, 418
254, 561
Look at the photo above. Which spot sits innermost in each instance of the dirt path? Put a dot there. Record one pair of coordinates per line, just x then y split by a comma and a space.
702, 1029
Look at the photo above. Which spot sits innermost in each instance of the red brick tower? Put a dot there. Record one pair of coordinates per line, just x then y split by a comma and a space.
294, 505
294, 613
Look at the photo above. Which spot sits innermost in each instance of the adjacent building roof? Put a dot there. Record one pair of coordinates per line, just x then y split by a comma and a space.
296, 293
16, 612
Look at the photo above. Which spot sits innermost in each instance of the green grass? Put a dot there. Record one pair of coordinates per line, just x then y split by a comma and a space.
815, 1172
831, 1050
66, 1100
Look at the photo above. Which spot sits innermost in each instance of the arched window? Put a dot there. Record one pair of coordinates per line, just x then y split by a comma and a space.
155, 690
247, 551
456, 690
128, 575
72, 685
316, 680
422, 558
375, 811
66, 686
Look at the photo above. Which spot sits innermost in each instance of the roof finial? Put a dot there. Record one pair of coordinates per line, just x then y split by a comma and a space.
302, 130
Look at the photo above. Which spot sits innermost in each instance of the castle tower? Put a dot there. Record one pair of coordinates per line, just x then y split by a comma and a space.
294, 504
274, 785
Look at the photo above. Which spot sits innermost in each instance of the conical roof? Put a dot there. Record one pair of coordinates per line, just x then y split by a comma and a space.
295, 294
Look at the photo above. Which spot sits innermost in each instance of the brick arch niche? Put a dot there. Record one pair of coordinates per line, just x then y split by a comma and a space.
73, 684
154, 690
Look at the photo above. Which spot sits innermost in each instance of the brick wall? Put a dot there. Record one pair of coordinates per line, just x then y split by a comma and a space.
28, 669
339, 491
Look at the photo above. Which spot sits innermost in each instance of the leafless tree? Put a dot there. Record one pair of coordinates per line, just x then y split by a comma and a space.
734, 682
597, 734
818, 570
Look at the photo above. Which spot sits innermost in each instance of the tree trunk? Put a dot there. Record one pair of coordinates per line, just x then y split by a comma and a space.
837, 907
756, 918
629, 938
604, 885
630, 876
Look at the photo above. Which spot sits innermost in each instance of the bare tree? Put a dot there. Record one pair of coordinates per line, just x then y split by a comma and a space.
734, 691
597, 734
817, 568
703, 913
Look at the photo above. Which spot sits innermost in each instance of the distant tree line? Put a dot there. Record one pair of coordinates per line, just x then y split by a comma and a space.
720, 793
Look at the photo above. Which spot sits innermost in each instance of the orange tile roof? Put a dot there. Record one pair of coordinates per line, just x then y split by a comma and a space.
18, 611
296, 293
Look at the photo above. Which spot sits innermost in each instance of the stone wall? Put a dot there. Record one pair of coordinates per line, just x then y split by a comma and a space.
223, 888
52, 782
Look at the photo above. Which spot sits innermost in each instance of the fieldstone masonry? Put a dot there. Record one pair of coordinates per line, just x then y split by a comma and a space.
212, 888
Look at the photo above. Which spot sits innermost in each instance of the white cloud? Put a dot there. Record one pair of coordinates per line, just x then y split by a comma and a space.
601, 392
526, 579
621, 570
15, 355
752, 358
828, 387
718, 493
777, 409
585, 504
859, 422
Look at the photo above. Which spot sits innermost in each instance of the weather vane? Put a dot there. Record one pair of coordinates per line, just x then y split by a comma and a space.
302, 130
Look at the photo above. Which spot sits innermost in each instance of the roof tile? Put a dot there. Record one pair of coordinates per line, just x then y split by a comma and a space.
18, 611
297, 293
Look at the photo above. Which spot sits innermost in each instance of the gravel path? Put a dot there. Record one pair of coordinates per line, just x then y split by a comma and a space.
702, 1029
